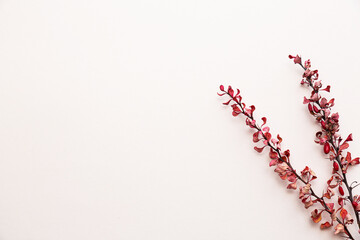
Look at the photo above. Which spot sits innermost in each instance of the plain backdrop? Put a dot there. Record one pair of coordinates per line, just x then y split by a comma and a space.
111, 127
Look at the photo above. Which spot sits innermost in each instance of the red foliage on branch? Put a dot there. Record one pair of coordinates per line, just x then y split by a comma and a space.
333, 145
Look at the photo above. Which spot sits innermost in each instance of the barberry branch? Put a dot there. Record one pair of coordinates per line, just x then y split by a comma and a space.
320, 108
283, 166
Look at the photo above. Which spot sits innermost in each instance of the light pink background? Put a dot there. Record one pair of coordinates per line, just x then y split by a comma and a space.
111, 128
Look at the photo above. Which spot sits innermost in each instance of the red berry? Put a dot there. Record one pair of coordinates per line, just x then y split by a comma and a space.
326, 148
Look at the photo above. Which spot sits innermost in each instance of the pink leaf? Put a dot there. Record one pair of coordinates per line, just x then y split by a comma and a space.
323, 102
266, 129
306, 100
292, 186
273, 162
339, 228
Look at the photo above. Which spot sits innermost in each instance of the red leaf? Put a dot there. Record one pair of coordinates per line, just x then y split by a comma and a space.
292, 186
323, 102
287, 153
221, 94
283, 177
341, 191
310, 108
306, 100
325, 225
264, 121
222, 88
316, 216
273, 162
267, 136
355, 161
323, 124
316, 109
343, 213
326, 148
236, 110
344, 146
297, 58
234, 113
259, 150
349, 138
348, 157
341, 201
327, 88
330, 206
335, 167
252, 107
227, 103
256, 137
273, 154
231, 91
292, 177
